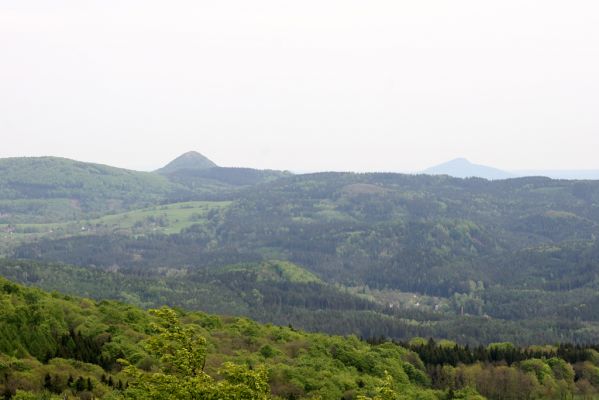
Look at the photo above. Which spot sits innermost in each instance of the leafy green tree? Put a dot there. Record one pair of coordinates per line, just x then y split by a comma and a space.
181, 352
383, 392
390, 390
22, 395
48, 382
464, 394
541, 370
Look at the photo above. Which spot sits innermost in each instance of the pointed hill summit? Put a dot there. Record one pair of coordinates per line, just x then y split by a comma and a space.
196, 172
192, 160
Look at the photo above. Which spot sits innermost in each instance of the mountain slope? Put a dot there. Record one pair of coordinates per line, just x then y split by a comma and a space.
50, 189
462, 168
496, 251
45, 337
227, 179
44, 189
55, 347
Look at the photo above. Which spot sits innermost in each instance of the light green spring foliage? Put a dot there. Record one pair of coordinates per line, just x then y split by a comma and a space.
47, 187
385, 392
177, 355
391, 390
180, 375
182, 350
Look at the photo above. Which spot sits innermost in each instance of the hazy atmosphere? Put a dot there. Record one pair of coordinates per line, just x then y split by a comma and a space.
249, 247
304, 86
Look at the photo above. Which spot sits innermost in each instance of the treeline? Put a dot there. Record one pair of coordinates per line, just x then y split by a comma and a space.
448, 353
313, 306
505, 371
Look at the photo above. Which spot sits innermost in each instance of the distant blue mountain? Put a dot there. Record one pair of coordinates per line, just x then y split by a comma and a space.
462, 168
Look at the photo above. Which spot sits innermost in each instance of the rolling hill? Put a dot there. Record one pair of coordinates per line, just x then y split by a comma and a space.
52, 189
87, 349
394, 255
55, 346
502, 253
48, 189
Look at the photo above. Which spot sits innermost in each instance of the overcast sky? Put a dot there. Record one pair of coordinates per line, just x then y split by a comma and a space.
302, 85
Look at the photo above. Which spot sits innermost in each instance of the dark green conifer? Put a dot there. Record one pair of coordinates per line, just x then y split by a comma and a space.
80, 384
48, 382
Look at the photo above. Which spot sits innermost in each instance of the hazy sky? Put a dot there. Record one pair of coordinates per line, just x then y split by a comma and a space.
302, 85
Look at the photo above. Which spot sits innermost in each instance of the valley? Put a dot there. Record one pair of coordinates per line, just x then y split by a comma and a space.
391, 255
378, 258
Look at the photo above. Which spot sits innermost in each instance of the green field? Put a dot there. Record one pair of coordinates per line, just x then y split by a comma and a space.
165, 219
276, 271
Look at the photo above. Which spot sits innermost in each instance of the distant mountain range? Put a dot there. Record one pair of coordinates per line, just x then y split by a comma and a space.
462, 168
195, 164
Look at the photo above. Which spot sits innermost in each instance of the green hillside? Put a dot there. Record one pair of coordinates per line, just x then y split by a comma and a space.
163, 219
51, 343
284, 294
225, 180
54, 346
37, 190
48, 189
395, 255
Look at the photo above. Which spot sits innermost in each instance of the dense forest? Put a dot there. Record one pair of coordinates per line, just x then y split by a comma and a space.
283, 293
392, 255
54, 346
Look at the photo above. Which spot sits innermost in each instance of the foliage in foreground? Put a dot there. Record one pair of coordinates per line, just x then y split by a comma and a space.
181, 352
56, 346
59, 345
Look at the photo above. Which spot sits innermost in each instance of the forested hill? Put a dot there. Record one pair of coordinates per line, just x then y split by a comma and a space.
394, 255
45, 189
52, 189
54, 346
